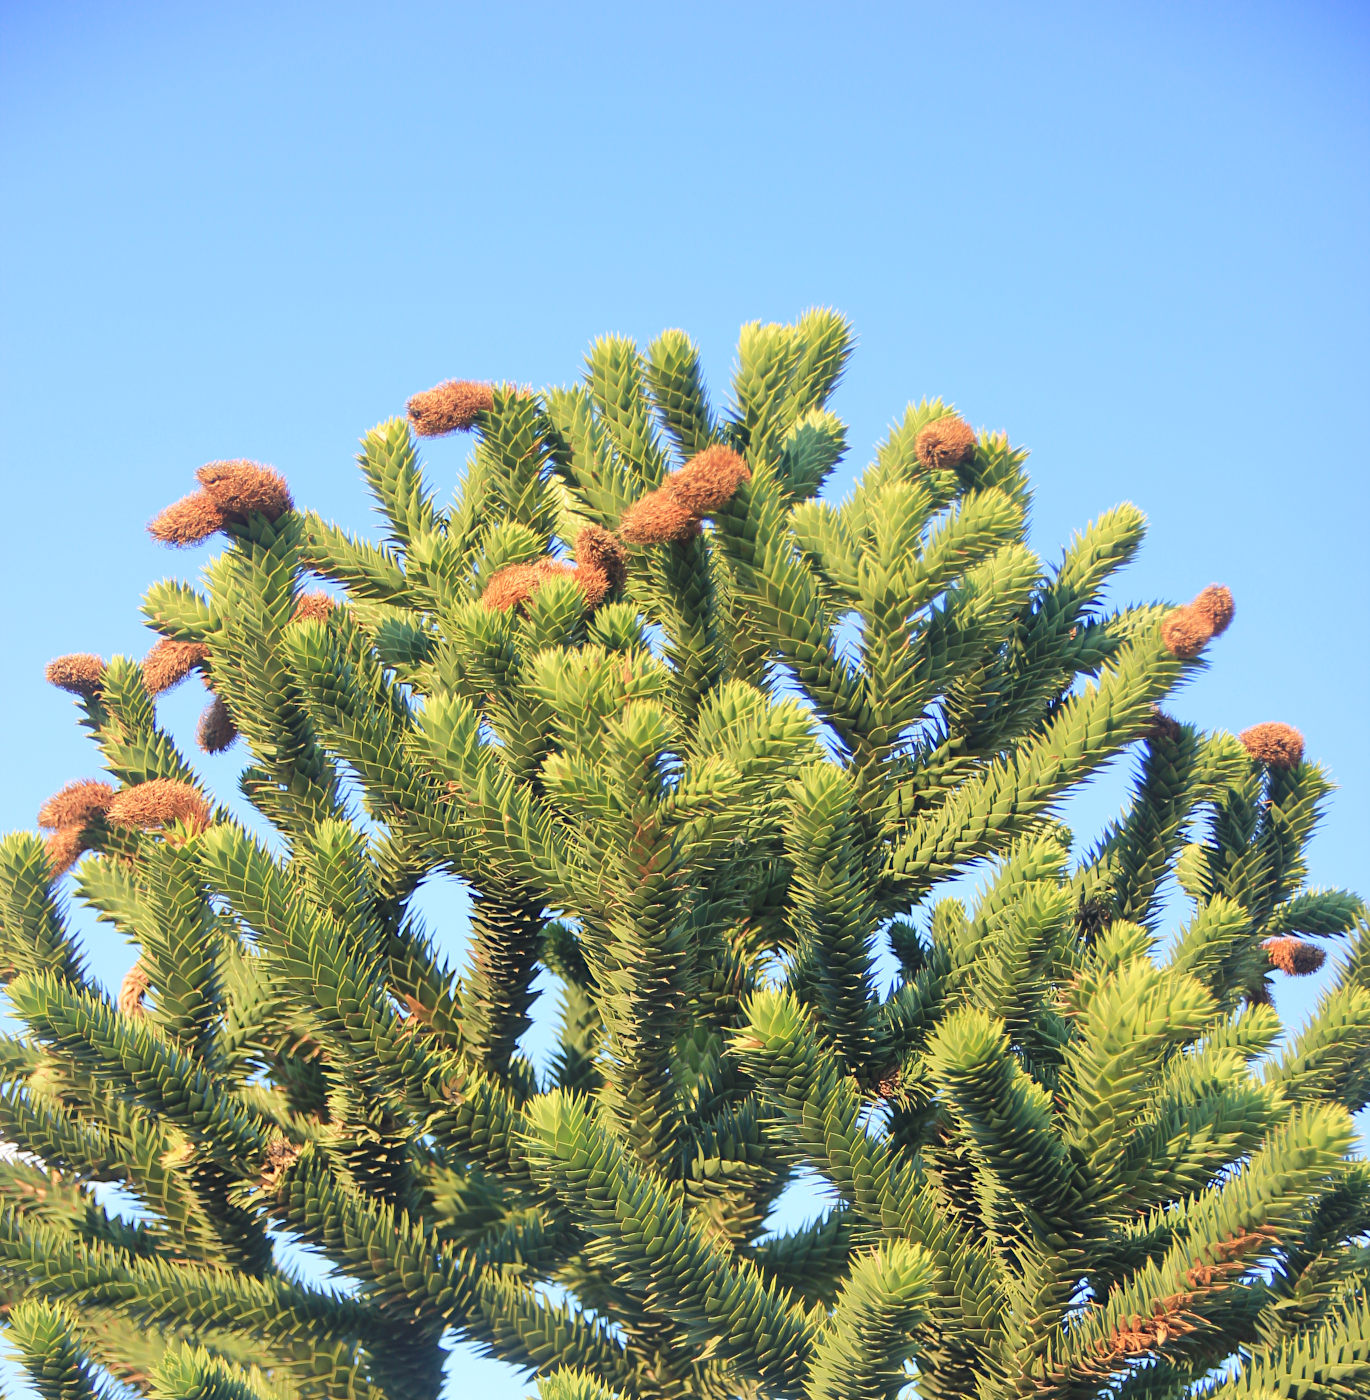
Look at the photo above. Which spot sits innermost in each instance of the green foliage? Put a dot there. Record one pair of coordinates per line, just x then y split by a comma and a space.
716, 813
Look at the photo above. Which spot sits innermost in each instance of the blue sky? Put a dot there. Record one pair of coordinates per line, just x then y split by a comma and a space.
1132, 236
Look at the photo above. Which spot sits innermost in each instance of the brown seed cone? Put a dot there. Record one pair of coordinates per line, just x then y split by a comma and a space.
159, 802
64, 849
1215, 603
77, 804
598, 549
133, 989
709, 480
243, 488
945, 442
658, 518
1274, 744
216, 730
170, 662
450, 407
313, 607
81, 673
191, 520
1185, 632
1294, 956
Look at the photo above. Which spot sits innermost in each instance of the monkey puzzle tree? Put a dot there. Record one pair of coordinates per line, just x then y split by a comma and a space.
706, 750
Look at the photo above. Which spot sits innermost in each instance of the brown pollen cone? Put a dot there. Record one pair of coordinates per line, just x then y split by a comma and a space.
945, 442
133, 989
159, 802
216, 730
244, 488
191, 520
598, 549
593, 584
511, 586
281, 1155
891, 1082
1294, 956
64, 849
81, 673
1215, 603
313, 607
1261, 996
77, 804
709, 480
658, 518
1164, 727
450, 407
1276, 745
1185, 632
170, 662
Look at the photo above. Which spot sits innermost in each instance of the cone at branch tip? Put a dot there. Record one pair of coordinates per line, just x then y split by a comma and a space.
159, 802
216, 730
658, 518
170, 662
1185, 632
1215, 604
281, 1155
133, 989
64, 848
450, 407
81, 673
709, 480
945, 442
1294, 956
191, 520
229, 491
601, 567
511, 586
597, 549
1164, 727
1188, 629
245, 488
313, 607
1274, 744
77, 804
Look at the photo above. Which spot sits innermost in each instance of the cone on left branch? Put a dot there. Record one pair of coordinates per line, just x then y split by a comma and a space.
67, 816
81, 673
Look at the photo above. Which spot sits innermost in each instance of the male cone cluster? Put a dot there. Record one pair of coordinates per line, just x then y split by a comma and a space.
167, 665
230, 492
671, 513
1188, 629
600, 569
71, 815
68, 815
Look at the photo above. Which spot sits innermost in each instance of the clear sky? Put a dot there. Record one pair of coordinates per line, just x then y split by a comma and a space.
1133, 236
